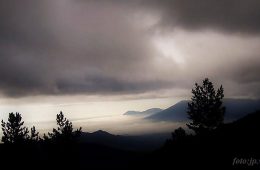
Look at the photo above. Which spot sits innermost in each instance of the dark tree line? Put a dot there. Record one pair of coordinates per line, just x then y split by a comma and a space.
14, 131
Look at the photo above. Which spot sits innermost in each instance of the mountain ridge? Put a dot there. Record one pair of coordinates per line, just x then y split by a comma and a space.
143, 113
132, 143
235, 109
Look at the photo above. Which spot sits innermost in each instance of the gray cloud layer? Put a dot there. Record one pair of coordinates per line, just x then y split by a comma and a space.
225, 15
110, 47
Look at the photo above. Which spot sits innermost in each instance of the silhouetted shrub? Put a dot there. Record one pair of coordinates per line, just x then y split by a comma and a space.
205, 109
179, 134
34, 137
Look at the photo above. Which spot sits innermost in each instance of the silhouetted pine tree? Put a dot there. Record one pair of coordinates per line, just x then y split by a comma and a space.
64, 133
14, 132
205, 109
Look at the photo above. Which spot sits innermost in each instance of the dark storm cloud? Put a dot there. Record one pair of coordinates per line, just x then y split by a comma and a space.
106, 85
67, 47
225, 15
56, 47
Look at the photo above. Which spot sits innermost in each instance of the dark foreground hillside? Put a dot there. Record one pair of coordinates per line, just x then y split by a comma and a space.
234, 145
76, 156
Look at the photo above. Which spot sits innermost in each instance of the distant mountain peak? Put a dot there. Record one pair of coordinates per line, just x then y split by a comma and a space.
143, 113
131, 112
153, 110
177, 112
101, 132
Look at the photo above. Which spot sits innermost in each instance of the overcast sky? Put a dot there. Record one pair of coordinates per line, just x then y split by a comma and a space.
120, 47
121, 50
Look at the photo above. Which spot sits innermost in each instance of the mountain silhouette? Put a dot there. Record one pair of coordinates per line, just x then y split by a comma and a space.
235, 109
176, 112
100, 133
143, 113
238, 108
124, 142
